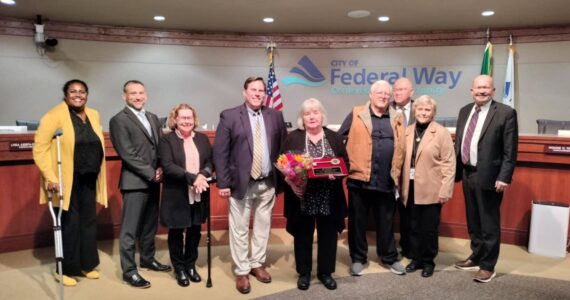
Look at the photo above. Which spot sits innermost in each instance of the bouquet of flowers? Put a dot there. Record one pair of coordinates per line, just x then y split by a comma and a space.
295, 168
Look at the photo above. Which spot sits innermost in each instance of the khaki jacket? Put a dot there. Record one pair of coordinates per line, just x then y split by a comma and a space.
435, 165
45, 153
359, 144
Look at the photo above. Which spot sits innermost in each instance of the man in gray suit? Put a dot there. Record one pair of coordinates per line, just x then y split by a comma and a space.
247, 143
486, 147
403, 92
135, 134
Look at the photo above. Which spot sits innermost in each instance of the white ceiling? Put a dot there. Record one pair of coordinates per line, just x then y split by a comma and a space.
298, 16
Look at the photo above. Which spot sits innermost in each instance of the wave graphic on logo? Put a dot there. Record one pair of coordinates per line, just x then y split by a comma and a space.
311, 75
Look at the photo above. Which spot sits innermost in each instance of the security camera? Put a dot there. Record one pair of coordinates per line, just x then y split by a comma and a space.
40, 38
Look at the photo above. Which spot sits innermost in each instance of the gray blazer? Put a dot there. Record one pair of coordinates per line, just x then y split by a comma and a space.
137, 149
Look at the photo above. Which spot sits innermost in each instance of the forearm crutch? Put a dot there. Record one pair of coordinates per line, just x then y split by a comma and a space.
58, 242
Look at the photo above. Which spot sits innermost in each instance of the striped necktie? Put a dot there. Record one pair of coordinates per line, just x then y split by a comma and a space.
257, 150
469, 136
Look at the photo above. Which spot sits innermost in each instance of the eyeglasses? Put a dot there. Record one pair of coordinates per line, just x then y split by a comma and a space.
77, 92
185, 118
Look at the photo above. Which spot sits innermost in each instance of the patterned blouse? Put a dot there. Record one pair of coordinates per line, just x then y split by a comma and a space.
319, 191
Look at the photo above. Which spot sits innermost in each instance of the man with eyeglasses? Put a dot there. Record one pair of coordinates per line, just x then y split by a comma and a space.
486, 148
374, 135
135, 134
403, 92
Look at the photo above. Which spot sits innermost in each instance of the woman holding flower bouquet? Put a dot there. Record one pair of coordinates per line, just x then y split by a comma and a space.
313, 202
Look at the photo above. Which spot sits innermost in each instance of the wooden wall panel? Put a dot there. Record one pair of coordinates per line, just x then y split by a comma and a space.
26, 224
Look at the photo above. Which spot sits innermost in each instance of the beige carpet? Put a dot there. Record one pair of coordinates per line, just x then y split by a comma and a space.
27, 274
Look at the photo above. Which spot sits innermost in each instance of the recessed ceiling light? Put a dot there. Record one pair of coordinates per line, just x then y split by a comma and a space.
159, 18
358, 14
268, 20
383, 18
8, 2
487, 13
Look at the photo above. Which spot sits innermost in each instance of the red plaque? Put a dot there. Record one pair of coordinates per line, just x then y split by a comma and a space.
323, 167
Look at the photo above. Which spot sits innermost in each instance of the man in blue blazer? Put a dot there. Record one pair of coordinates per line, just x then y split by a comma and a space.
247, 144
486, 147
135, 134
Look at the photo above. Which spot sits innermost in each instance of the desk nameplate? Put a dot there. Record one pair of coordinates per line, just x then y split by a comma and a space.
21, 146
557, 149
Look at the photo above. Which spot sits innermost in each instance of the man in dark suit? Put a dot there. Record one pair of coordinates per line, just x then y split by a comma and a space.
135, 134
403, 91
247, 143
486, 149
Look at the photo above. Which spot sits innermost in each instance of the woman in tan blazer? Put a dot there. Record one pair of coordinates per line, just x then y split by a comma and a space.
427, 182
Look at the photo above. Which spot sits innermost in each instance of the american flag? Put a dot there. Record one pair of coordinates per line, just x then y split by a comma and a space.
273, 94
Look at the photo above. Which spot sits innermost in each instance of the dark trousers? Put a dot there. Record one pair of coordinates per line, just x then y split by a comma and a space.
79, 227
382, 206
424, 230
184, 251
404, 213
483, 209
140, 221
327, 237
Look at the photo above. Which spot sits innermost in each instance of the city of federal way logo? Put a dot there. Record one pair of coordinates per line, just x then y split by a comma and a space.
310, 74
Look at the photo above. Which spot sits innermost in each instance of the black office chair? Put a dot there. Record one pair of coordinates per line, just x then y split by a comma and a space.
30, 125
447, 121
551, 126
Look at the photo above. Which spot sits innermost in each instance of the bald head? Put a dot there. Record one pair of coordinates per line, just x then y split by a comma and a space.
482, 89
403, 91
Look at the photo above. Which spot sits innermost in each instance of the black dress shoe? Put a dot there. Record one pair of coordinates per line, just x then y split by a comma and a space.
428, 271
413, 266
154, 265
327, 280
193, 275
182, 278
304, 281
137, 281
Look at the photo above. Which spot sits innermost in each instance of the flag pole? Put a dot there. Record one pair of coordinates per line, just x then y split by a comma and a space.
270, 48
488, 34
510, 39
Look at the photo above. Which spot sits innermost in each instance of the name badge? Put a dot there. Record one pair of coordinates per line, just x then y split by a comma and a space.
412, 173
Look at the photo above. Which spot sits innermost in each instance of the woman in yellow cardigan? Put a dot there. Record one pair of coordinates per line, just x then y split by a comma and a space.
83, 176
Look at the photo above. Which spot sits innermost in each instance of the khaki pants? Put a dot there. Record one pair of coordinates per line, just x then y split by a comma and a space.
258, 201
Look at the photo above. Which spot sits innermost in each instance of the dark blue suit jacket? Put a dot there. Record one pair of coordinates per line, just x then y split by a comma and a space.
233, 146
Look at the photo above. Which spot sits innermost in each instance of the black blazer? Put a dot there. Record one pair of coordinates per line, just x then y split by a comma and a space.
137, 149
497, 145
295, 142
175, 209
